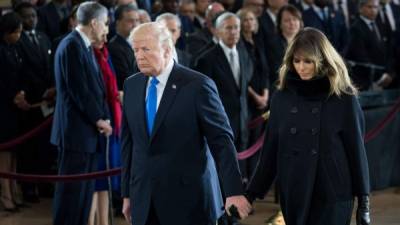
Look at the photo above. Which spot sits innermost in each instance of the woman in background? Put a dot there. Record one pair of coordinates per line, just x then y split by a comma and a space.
12, 99
100, 204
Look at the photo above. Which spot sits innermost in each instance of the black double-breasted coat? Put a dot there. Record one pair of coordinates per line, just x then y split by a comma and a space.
314, 148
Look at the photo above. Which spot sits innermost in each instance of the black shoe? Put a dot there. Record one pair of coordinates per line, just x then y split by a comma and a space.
31, 198
12, 210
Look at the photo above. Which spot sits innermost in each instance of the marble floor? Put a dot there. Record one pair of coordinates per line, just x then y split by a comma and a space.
385, 211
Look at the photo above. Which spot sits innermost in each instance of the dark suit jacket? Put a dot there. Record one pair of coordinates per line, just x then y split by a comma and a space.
267, 26
123, 59
80, 97
334, 27
50, 22
215, 65
197, 41
168, 168
36, 75
364, 47
276, 50
183, 57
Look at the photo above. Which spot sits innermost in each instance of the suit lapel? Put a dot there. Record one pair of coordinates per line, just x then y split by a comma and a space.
171, 89
141, 102
223, 61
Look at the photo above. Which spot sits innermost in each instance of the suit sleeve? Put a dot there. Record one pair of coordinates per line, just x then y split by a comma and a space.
121, 66
77, 87
126, 153
265, 173
353, 138
215, 126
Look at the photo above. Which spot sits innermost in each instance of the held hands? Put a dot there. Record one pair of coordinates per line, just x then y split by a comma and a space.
126, 210
362, 217
104, 127
239, 203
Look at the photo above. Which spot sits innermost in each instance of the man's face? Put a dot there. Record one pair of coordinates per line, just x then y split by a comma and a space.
257, 6
277, 4
29, 18
170, 6
151, 56
201, 6
187, 9
129, 20
173, 27
370, 9
100, 29
229, 32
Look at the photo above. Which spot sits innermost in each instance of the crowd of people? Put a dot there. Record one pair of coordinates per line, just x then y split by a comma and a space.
74, 59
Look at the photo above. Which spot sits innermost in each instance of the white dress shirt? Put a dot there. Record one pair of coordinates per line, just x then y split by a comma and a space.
235, 65
162, 78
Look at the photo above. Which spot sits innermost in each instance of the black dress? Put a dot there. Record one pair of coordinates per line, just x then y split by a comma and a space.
10, 65
315, 149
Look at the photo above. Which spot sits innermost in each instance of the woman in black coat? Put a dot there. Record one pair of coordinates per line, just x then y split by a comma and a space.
314, 144
11, 100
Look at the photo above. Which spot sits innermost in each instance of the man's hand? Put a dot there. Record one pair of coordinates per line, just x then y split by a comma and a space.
385, 80
104, 127
241, 203
20, 101
126, 210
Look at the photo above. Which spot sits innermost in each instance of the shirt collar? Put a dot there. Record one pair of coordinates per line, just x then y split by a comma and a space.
164, 75
84, 37
226, 49
272, 15
367, 21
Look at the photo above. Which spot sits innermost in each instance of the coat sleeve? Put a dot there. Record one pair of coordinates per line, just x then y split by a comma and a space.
126, 153
265, 172
77, 87
215, 127
353, 138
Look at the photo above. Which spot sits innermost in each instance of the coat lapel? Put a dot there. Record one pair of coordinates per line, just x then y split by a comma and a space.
171, 89
141, 94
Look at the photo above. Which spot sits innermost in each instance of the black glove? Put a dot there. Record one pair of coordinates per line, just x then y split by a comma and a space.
362, 217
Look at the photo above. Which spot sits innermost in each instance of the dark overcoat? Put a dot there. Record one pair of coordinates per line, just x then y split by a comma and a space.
315, 149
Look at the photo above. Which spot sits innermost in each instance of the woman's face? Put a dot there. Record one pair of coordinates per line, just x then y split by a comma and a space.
305, 67
290, 25
249, 23
13, 37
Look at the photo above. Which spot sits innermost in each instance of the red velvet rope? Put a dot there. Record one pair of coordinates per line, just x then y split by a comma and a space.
21, 139
113, 172
58, 178
371, 134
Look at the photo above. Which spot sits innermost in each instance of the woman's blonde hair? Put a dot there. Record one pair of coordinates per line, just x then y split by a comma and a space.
315, 46
242, 13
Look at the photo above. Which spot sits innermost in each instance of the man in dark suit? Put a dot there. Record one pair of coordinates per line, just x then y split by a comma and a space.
267, 20
331, 22
366, 50
122, 56
81, 114
206, 38
34, 49
229, 65
171, 115
173, 23
53, 18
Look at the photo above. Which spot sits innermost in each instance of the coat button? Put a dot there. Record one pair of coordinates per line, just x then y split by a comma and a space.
314, 110
294, 110
314, 131
313, 151
293, 130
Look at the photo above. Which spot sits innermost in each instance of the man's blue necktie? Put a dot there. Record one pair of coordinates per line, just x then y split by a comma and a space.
151, 104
